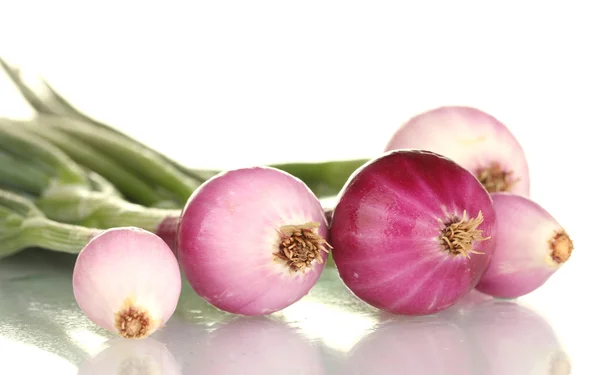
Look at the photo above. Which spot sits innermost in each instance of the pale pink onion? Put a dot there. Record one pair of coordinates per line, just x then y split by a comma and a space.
127, 281
530, 247
474, 139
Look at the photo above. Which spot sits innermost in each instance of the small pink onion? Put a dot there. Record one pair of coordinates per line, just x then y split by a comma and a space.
127, 281
252, 241
413, 232
472, 138
530, 247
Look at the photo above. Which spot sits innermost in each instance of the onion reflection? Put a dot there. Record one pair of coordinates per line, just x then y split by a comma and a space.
250, 346
483, 336
515, 340
132, 357
414, 346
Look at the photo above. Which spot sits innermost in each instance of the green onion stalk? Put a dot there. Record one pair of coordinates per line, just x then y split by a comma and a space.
23, 225
63, 191
65, 195
141, 173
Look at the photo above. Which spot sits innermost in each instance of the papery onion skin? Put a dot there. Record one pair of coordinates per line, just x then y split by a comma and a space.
523, 260
469, 136
124, 272
230, 230
385, 232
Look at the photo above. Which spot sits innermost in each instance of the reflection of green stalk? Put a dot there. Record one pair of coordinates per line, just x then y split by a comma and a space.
324, 179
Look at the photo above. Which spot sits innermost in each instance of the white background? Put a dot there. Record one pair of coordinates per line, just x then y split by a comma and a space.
224, 84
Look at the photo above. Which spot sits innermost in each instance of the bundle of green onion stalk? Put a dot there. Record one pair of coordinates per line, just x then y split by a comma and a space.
65, 176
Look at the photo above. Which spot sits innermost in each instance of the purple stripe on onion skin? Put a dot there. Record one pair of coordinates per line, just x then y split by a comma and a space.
434, 257
472, 138
253, 241
371, 271
530, 247
427, 274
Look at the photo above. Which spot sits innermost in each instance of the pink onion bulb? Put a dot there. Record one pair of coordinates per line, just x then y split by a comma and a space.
472, 138
530, 247
252, 241
127, 281
413, 232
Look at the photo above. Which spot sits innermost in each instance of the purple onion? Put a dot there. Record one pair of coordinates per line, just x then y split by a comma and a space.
413, 232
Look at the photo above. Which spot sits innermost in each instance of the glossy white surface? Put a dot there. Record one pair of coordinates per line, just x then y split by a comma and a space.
327, 332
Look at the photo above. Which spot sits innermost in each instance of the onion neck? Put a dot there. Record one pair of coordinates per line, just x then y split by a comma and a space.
495, 178
300, 245
458, 236
561, 247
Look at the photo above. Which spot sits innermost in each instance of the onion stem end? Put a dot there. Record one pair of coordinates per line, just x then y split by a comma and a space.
134, 322
495, 179
458, 235
300, 245
561, 247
